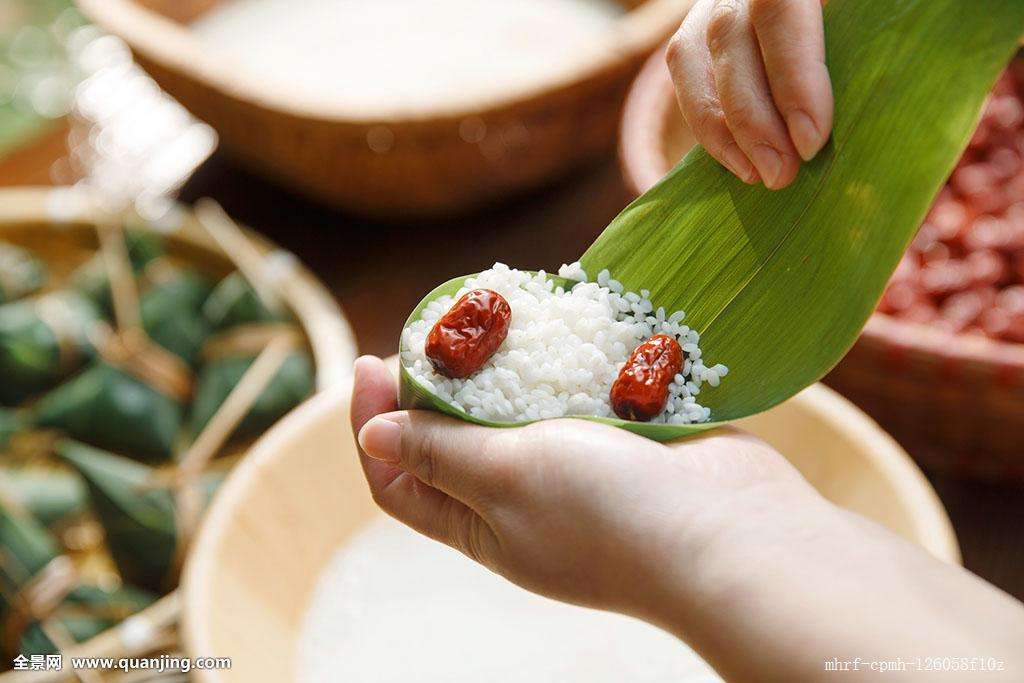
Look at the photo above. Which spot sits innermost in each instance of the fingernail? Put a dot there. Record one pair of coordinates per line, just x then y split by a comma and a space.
738, 163
769, 164
381, 438
805, 135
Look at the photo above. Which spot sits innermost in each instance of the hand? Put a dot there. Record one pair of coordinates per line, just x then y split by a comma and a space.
752, 84
716, 539
574, 510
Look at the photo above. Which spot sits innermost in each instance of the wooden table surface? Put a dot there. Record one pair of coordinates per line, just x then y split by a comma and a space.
377, 278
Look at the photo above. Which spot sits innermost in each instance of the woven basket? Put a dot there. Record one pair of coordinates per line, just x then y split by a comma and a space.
58, 226
426, 165
956, 402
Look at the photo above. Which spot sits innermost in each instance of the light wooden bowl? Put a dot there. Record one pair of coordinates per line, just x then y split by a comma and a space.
423, 165
59, 226
300, 494
911, 377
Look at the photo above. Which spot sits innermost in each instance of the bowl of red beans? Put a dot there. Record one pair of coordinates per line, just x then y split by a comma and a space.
941, 363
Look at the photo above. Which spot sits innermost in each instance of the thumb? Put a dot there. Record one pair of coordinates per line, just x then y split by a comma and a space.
465, 461
442, 471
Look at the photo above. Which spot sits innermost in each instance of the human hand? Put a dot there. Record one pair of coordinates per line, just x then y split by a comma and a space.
716, 539
574, 510
752, 83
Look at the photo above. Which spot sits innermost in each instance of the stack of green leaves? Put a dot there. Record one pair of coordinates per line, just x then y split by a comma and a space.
41, 340
21, 273
112, 406
137, 513
27, 549
235, 310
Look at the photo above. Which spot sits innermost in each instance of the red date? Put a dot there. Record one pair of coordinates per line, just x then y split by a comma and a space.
469, 333
641, 389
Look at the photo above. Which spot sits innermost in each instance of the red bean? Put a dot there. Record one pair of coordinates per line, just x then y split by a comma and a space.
641, 389
469, 333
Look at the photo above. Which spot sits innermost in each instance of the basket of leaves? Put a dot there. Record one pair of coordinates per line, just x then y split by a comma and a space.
138, 363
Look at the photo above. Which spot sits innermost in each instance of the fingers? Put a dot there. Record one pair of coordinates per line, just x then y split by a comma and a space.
689, 62
752, 84
374, 391
443, 453
398, 492
792, 41
743, 90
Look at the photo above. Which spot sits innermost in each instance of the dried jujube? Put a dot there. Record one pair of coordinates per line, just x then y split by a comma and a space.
641, 389
469, 333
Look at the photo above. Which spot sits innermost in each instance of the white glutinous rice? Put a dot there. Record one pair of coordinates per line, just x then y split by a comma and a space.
564, 349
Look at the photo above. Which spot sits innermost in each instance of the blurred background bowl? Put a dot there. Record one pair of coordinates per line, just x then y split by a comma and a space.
407, 166
954, 400
300, 495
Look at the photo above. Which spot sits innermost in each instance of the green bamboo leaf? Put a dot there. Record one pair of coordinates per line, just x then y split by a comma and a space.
171, 314
48, 493
138, 518
41, 340
90, 279
21, 273
779, 284
234, 302
293, 383
108, 407
11, 423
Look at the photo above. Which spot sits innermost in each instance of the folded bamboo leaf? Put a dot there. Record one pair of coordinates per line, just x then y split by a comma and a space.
48, 493
26, 546
138, 518
21, 273
171, 314
292, 384
41, 341
108, 407
26, 549
234, 302
779, 284
91, 277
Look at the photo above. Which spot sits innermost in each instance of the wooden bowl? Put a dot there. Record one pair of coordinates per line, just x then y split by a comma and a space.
300, 494
425, 164
955, 401
59, 226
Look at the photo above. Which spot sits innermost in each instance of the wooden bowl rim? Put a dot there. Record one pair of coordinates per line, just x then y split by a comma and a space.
931, 525
642, 157
330, 335
172, 45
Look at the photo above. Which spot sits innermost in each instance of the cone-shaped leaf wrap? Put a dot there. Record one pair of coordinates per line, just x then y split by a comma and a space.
41, 340
234, 302
292, 384
139, 519
171, 314
112, 409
